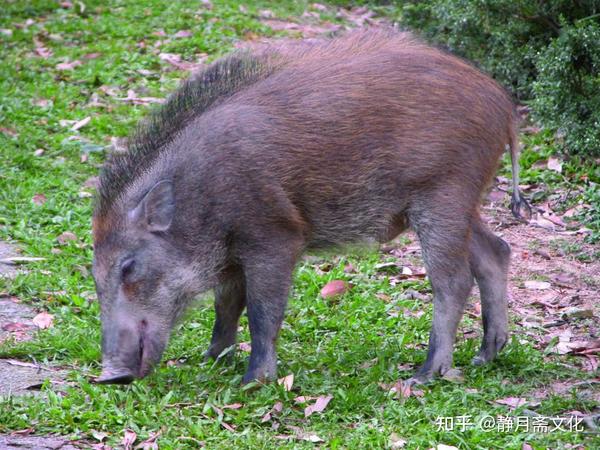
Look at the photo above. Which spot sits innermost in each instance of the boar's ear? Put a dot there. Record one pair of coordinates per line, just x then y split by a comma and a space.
155, 211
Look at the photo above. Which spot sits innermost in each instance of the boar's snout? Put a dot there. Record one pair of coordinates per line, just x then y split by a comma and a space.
128, 352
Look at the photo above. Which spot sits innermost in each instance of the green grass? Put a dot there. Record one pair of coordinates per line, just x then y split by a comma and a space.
343, 348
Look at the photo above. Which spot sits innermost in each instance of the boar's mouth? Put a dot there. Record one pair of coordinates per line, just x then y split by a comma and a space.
127, 364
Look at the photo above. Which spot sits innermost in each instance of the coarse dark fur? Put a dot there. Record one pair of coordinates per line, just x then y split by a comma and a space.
201, 91
312, 145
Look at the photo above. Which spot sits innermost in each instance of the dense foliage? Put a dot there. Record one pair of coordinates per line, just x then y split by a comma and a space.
546, 52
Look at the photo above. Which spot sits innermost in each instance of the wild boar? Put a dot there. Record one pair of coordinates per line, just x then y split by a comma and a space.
268, 153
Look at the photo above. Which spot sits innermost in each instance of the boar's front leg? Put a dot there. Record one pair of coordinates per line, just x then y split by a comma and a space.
444, 241
230, 301
268, 273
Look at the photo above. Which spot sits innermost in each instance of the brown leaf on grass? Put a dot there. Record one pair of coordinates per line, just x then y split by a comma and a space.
183, 34
232, 406
111, 91
66, 237
129, 439
304, 399
245, 347
396, 441
334, 288
277, 408
178, 63
512, 402
68, 65
81, 123
24, 432
134, 99
43, 320
9, 131
41, 50
150, 443
42, 102
303, 435
287, 382
38, 199
318, 406
92, 55
99, 435
555, 164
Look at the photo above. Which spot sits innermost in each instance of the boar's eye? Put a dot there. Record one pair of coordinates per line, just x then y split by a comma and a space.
127, 268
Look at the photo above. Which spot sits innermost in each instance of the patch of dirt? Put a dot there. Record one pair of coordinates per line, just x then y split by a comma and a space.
23, 378
18, 442
7, 251
553, 285
15, 319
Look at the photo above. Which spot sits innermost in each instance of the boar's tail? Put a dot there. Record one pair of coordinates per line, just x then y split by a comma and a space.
519, 205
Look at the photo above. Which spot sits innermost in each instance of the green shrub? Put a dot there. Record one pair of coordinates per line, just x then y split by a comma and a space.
567, 89
546, 50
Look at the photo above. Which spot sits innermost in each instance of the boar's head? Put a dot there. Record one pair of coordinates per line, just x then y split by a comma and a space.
143, 280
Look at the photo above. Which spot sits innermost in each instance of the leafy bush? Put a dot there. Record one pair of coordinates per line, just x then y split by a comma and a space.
567, 89
546, 50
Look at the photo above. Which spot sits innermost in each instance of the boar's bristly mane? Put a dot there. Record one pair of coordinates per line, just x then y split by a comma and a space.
203, 90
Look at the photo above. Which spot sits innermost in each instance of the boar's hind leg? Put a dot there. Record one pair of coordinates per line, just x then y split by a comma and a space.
444, 244
490, 257
230, 301
268, 274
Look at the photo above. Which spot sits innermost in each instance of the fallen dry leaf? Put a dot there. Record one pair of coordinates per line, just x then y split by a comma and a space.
38, 199
513, 402
396, 441
134, 99
299, 433
41, 50
537, 285
555, 164
318, 406
68, 65
334, 288
99, 435
43, 320
81, 123
150, 443
245, 347
66, 237
287, 382
232, 406
178, 63
129, 439
183, 34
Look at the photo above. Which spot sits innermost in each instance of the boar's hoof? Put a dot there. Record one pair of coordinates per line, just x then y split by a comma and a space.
259, 375
412, 381
491, 346
123, 377
220, 354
